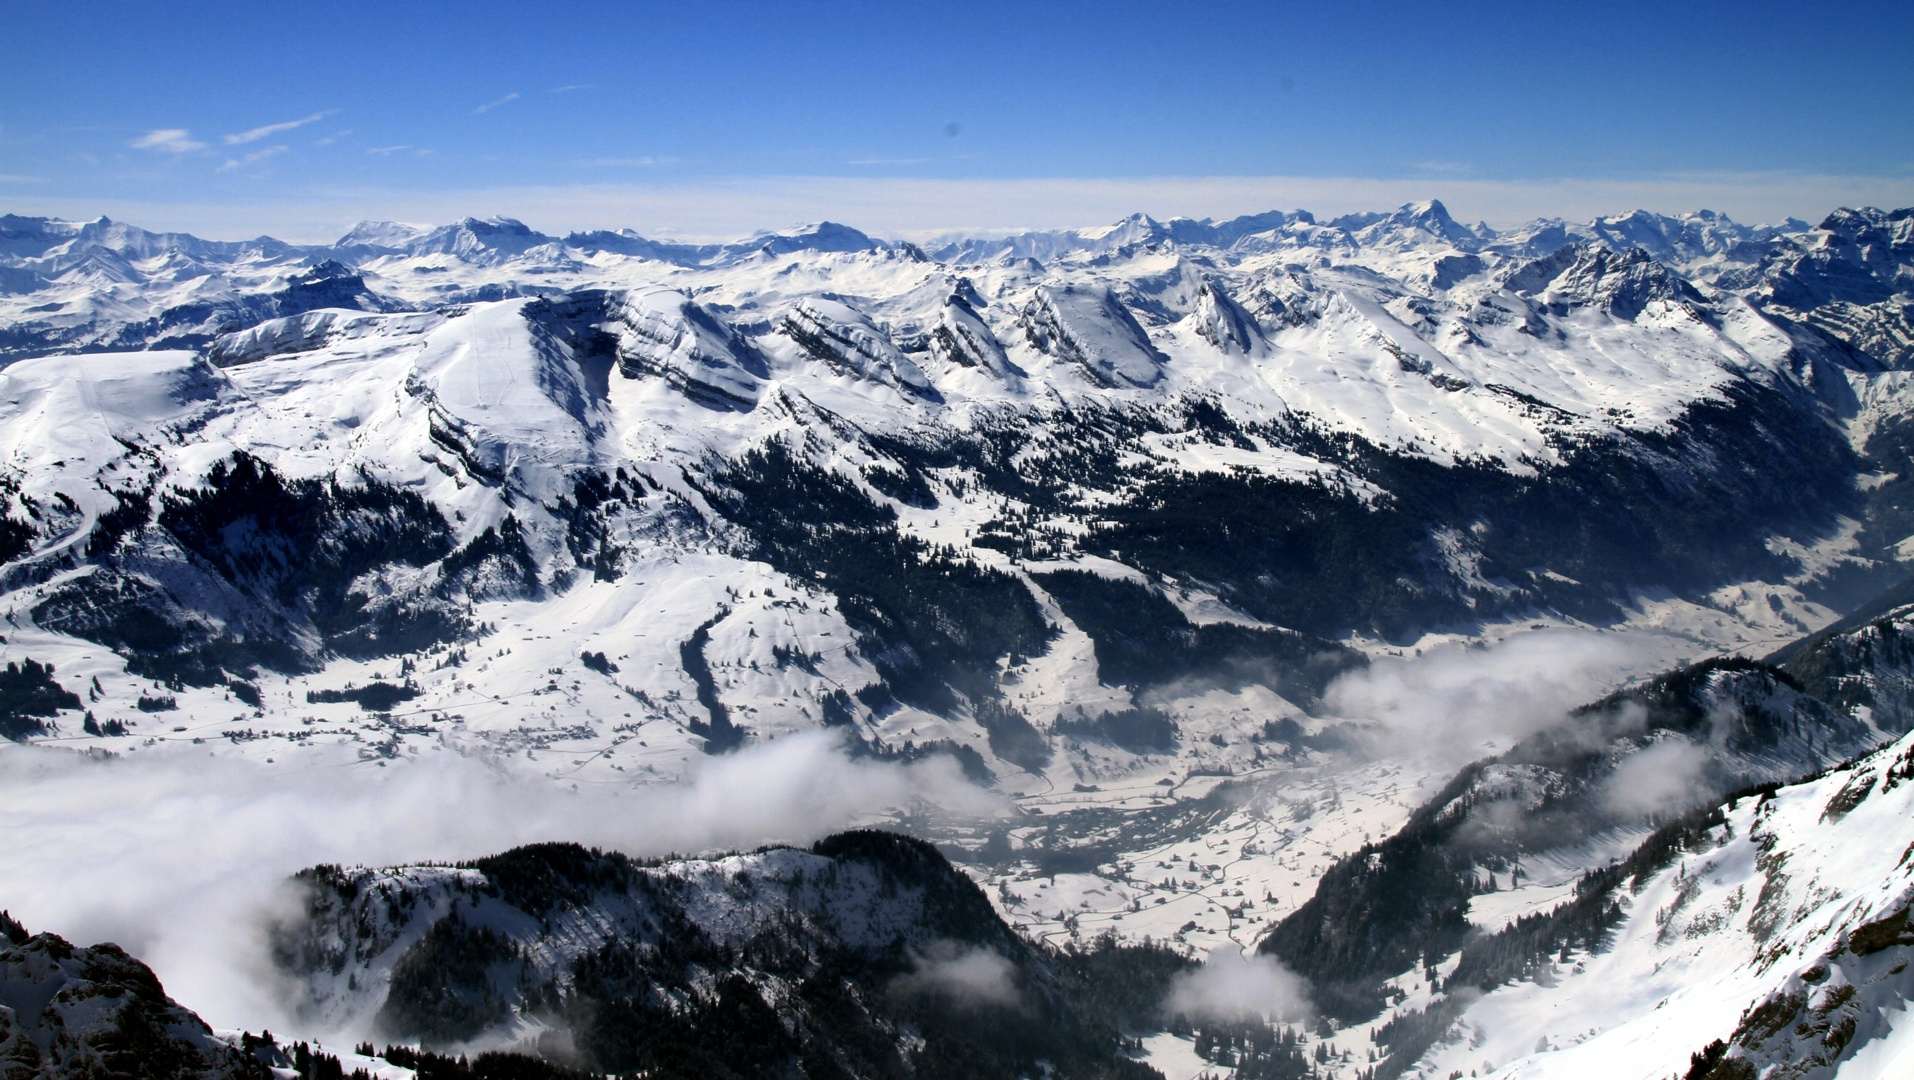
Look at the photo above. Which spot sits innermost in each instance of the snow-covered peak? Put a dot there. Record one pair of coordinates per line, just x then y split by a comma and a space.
1587, 275
824, 236
1089, 328
1135, 229
1677, 239
665, 333
481, 240
30, 237
386, 235
55, 247
846, 340
1226, 233
627, 243
1417, 224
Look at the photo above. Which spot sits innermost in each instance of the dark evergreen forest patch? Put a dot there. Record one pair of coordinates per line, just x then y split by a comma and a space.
494, 564
288, 554
719, 733
163, 640
29, 695
1011, 737
667, 1001
300, 545
372, 697
1144, 730
1143, 640
934, 623
1684, 509
441, 989
16, 539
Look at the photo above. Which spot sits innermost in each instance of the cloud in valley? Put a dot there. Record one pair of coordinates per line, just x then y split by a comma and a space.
1453, 701
1663, 778
166, 855
965, 975
1233, 986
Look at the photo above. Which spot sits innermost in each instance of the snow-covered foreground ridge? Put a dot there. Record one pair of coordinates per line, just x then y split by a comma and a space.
868, 949
865, 955
1768, 936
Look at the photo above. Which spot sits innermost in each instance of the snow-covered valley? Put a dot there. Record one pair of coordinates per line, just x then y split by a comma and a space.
1150, 571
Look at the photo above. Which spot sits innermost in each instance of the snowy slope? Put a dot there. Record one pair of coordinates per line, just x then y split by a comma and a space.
1103, 514
1561, 891
1781, 931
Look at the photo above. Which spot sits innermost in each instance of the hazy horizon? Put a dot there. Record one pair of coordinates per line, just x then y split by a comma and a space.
231, 120
908, 211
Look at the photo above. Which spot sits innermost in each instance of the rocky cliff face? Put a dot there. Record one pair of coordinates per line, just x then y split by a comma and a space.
70, 1012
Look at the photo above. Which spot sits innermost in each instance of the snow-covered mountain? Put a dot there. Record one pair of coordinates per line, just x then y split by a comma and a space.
1533, 868
995, 485
868, 955
1766, 936
68, 1013
1115, 518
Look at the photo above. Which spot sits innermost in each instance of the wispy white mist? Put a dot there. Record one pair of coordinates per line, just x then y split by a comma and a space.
1660, 778
1451, 703
966, 975
1233, 986
178, 860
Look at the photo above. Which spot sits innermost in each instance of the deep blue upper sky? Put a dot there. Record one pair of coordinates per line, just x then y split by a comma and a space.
156, 105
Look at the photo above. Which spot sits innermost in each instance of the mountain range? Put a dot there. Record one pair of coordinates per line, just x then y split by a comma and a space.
1134, 528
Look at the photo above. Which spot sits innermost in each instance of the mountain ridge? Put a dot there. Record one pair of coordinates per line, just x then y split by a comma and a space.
1144, 530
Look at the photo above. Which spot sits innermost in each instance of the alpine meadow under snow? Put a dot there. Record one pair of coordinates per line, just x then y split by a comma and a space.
1269, 648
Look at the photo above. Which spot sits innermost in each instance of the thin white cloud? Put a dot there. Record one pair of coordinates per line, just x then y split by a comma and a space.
490, 105
332, 138
965, 975
259, 133
889, 161
168, 140
625, 162
569, 88
16, 178
384, 151
252, 159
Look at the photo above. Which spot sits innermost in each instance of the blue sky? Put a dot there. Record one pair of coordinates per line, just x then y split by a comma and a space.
709, 118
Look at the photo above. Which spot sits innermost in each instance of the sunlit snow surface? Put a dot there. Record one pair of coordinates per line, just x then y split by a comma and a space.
1709, 938
351, 394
